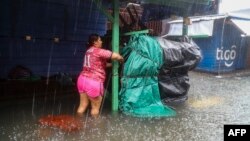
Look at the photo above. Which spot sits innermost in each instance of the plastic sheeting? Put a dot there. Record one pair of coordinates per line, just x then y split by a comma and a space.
179, 58
139, 94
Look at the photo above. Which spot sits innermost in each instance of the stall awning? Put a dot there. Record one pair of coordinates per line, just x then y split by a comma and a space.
202, 28
199, 27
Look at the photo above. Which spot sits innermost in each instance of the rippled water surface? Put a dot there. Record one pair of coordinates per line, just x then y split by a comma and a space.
213, 101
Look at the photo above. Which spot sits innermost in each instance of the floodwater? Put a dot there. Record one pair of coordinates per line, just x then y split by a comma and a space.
213, 101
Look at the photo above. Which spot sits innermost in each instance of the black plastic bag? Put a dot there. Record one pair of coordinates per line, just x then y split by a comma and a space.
179, 58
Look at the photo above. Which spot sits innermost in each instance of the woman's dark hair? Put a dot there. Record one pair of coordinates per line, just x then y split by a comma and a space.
92, 39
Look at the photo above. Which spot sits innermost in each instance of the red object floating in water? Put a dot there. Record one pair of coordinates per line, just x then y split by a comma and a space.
65, 122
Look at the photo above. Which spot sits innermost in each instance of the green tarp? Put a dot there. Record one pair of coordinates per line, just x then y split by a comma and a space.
139, 94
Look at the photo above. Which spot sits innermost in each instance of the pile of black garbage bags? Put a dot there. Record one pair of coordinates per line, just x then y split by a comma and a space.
180, 56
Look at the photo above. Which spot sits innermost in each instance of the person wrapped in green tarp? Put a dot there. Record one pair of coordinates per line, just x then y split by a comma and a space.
139, 95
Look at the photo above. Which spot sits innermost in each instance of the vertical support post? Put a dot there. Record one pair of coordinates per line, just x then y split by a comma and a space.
115, 48
186, 22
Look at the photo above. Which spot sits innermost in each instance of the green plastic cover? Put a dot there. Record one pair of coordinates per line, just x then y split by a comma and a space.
139, 95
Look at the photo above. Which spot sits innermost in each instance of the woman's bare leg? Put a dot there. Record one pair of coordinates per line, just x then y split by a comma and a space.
84, 102
95, 105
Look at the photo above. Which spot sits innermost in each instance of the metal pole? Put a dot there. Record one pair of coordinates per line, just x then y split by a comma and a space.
186, 22
115, 48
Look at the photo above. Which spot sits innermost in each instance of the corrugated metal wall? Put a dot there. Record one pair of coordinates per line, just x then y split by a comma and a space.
222, 52
208, 47
248, 52
234, 48
69, 20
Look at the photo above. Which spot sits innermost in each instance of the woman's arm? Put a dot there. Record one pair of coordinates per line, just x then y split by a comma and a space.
117, 56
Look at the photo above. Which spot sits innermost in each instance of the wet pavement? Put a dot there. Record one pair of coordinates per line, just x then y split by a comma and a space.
214, 100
